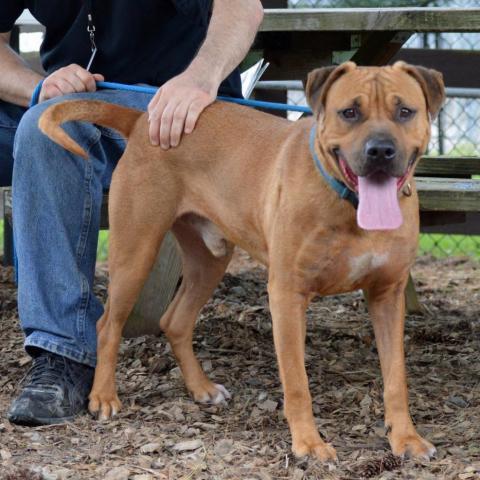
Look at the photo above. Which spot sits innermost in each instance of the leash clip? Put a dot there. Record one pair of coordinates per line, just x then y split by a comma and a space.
91, 32
90, 26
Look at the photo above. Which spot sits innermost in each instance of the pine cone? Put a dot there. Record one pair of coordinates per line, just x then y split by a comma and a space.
371, 469
391, 462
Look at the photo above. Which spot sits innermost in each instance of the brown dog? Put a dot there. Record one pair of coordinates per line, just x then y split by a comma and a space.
249, 178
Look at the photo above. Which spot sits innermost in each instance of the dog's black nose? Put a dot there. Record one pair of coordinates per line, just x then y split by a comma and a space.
378, 150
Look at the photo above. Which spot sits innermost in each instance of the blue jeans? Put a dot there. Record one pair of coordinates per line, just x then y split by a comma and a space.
56, 210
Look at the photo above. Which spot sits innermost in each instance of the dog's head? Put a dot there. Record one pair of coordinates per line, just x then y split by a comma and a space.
373, 126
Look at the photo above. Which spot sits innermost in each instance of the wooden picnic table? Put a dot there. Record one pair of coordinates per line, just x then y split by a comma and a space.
367, 19
295, 41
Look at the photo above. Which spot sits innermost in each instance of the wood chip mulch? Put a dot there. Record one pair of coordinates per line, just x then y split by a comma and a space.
162, 434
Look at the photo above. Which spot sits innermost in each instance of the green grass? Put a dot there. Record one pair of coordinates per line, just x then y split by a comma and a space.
438, 245
102, 248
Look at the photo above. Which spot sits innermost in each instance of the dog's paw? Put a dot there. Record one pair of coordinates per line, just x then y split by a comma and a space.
412, 445
103, 407
211, 394
314, 446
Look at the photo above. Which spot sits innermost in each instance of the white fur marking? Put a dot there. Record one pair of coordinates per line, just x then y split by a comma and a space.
220, 396
364, 264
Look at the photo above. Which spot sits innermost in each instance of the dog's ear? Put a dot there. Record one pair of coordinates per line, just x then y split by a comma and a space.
431, 82
319, 82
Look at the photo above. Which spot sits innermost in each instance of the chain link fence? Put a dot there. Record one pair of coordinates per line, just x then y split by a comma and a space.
457, 129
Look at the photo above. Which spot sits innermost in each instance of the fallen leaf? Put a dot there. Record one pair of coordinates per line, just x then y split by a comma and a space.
187, 445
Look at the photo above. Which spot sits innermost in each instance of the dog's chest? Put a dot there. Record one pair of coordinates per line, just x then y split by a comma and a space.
365, 264
335, 266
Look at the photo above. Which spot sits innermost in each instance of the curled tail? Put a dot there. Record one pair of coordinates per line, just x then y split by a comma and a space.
105, 114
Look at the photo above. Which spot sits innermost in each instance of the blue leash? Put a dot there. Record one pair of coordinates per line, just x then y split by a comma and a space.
153, 90
343, 191
240, 101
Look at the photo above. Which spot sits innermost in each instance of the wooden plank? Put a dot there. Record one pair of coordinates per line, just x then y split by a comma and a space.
459, 67
377, 48
7, 204
351, 19
158, 291
275, 3
7, 197
104, 213
448, 166
8, 259
412, 303
443, 222
438, 219
294, 64
293, 54
371, 19
449, 195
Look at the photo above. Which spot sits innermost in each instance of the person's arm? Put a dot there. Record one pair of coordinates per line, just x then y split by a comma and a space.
18, 80
177, 105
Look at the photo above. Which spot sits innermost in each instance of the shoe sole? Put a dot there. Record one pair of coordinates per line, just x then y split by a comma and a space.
38, 422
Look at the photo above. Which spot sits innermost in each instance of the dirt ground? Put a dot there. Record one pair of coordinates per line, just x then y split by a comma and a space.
162, 434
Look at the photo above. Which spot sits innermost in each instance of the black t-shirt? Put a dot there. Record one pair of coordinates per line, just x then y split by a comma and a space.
138, 41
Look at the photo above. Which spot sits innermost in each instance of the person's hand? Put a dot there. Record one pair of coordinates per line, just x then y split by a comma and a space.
70, 79
176, 106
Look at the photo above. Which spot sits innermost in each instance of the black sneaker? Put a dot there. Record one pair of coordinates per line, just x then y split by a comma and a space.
55, 390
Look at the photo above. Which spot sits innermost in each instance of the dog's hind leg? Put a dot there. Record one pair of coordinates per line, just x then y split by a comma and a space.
137, 228
202, 271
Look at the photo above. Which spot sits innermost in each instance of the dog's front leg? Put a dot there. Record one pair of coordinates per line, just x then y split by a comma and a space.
288, 317
387, 309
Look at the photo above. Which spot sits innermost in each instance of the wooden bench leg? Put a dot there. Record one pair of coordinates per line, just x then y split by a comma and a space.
7, 243
157, 292
412, 303
7, 229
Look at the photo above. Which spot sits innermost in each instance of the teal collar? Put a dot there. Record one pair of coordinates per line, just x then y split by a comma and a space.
343, 191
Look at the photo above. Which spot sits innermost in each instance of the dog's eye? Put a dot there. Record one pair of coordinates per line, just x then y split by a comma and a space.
405, 113
349, 113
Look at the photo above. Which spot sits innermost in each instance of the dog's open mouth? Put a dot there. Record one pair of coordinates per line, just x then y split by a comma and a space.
352, 180
378, 207
350, 177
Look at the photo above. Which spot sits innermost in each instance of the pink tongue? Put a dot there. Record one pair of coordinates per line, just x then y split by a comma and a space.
378, 207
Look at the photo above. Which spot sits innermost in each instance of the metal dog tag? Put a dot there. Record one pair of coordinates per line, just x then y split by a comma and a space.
407, 190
